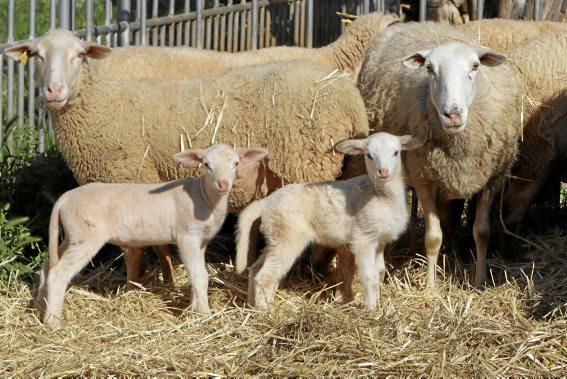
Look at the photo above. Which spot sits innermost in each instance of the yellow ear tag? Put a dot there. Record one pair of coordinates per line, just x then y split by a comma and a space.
346, 21
23, 59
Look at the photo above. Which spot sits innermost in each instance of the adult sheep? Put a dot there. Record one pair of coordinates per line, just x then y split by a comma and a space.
543, 149
465, 106
114, 130
345, 54
501, 34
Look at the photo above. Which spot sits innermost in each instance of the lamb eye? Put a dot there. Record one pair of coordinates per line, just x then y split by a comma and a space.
206, 165
396, 153
475, 67
81, 55
429, 68
236, 163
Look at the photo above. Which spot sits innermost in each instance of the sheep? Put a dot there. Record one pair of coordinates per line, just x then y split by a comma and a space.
114, 130
541, 64
365, 213
466, 107
501, 35
345, 54
187, 212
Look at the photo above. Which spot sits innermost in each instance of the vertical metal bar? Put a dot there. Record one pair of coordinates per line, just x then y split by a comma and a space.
10, 77
52, 14
107, 17
216, 20
143, 17
261, 27
155, 28
208, 29
479, 9
365, 6
199, 21
89, 20
248, 30
187, 26
72, 14
229, 27
222, 34
64, 14
124, 14
422, 5
137, 33
310, 16
21, 85
537, 10
254, 24
31, 67
242, 46
171, 39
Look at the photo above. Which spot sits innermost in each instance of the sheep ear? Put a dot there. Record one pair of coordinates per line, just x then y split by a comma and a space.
192, 157
409, 143
95, 51
351, 146
252, 154
490, 58
16, 52
416, 60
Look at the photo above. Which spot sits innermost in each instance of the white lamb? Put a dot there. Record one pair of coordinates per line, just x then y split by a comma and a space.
364, 213
186, 212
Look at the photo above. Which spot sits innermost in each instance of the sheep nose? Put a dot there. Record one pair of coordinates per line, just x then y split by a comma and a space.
222, 185
384, 172
55, 89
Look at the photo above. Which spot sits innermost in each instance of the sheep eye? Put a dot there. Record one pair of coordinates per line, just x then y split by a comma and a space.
429, 68
81, 55
396, 153
206, 165
475, 67
236, 163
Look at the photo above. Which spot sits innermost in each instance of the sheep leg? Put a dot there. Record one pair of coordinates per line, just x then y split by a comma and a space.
450, 213
192, 252
345, 271
277, 262
368, 272
166, 263
43, 273
433, 232
481, 232
251, 276
72, 261
133, 257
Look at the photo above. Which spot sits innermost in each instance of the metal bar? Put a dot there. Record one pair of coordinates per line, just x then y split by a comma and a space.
248, 17
64, 14
537, 10
124, 14
479, 9
230, 30
366, 6
208, 32
137, 32
89, 20
254, 24
422, 9
187, 25
143, 17
310, 17
155, 30
72, 14
21, 85
107, 17
171, 34
10, 76
199, 27
242, 46
216, 27
31, 67
52, 14
222, 35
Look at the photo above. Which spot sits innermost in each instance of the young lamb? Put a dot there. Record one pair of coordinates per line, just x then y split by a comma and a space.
464, 102
186, 212
365, 213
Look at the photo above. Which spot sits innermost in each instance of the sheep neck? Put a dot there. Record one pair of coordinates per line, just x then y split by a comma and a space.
212, 197
393, 188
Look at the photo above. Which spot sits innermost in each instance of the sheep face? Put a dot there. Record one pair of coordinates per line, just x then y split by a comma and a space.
382, 153
59, 58
221, 162
452, 69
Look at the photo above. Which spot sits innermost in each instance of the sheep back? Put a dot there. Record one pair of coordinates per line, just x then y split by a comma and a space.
127, 131
397, 101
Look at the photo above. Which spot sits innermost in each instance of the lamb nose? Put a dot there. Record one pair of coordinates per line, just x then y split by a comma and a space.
384, 172
223, 185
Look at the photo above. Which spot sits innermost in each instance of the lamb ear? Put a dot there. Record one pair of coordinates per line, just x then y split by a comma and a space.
351, 146
96, 51
416, 60
15, 52
490, 58
252, 154
192, 157
409, 143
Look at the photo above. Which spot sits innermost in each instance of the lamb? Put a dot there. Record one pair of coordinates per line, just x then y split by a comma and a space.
366, 213
113, 130
345, 54
187, 212
543, 149
501, 35
466, 108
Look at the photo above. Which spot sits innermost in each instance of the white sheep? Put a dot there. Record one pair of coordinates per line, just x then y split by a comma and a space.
186, 212
365, 213
460, 99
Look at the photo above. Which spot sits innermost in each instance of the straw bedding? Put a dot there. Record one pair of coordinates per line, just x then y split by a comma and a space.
515, 327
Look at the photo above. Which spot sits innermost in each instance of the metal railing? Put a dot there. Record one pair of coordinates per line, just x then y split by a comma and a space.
223, 25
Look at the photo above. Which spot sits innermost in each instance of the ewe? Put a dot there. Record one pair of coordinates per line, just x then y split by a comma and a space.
365, 213
186, 212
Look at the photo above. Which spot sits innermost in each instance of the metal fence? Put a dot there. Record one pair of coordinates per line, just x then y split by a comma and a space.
223, 25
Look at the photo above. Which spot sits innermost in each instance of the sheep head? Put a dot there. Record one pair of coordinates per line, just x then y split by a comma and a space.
452, 70
59, 56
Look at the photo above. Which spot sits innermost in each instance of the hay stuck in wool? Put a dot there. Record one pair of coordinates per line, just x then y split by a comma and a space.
515, 327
